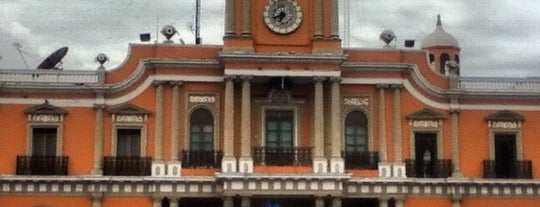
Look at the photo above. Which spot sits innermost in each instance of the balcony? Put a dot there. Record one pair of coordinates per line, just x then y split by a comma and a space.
361, 160
433, 169
201, 159
127, 166
42, 165
282, 156
520, 169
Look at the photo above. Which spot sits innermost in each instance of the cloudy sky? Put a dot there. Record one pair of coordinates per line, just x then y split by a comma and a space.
497, 37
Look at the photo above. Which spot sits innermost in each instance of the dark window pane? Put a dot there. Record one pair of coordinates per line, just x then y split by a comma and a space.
201, 135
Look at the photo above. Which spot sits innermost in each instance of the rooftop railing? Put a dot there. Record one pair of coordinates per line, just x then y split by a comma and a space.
499, 84
49, 76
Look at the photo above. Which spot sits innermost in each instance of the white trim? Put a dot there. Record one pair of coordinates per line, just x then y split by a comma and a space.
281, 73
114, 101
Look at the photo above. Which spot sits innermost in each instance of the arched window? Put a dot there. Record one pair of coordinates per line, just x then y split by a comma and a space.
444, 57
431, 58
356, 134
201, 131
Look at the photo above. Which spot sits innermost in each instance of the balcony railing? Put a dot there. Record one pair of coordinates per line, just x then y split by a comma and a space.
521, 169
201, 159
432, 169
283, 156
42, 165
127, 166
361, 160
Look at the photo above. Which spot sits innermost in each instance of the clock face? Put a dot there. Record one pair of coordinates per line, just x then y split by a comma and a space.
282, 16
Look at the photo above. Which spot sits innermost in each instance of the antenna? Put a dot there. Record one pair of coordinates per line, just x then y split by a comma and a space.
198, 22
18, 46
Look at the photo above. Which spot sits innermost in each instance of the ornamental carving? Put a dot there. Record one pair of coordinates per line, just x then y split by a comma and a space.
504, 124
425, 123
202, 99
47, 118
356, 101
129, 118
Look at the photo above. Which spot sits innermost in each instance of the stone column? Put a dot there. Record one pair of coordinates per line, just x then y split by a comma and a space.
336, 162
175, 121
399, 202
454, 130
229, 18
98, 140
246, 202
399, 167
318, 19
246, 18
320, 163
335, 20
381, 109
456, 202
228, 202
319, 202
159, 119
383, 202
336, 202
228, 163
246, 161
156, 202
97, 200
174, 202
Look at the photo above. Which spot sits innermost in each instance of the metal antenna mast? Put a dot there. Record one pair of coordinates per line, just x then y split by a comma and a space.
198, 22
18, 46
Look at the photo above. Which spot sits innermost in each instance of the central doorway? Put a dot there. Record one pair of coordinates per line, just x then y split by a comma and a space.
425, 149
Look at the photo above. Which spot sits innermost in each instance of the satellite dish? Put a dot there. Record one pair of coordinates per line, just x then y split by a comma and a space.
53, 59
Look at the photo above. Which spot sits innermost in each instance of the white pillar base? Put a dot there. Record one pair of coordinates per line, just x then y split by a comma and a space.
158, 169
398, 170
245, 165
320, 165
174, 169
228, 165
337, 165
385, 170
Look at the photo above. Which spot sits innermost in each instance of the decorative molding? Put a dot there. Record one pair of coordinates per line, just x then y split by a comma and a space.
198, 99
356, 101
425, 123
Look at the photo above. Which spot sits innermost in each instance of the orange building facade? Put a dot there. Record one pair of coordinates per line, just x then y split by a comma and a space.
280, 115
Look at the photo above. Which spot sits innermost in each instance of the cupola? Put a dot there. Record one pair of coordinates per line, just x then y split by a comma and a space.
442, 47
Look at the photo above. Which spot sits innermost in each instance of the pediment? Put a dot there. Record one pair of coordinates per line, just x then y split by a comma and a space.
45, 108
129, 109
426, 114
505, 116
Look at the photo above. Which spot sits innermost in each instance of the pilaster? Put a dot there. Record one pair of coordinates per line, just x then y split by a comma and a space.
98, 140
318, 19
230, 29
246, 17
454, 130
398, 167
335, 20
337, 164
246, 161
158, 166
320, 163
228, 163
385, 169
97, 200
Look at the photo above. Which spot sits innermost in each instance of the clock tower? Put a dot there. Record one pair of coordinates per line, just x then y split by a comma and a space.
282, 26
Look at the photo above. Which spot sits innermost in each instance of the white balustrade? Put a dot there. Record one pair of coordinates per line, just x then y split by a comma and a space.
39, 76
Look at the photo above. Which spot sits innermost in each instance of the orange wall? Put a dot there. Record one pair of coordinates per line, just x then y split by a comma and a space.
131, 201
427, 202
56, 201
490, 202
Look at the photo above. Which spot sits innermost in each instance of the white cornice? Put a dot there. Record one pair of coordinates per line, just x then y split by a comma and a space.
282, 73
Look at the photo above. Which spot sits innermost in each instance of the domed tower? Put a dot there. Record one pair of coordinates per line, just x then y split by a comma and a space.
442, 47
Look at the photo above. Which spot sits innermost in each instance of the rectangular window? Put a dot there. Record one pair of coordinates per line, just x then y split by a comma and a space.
505, 155
279, 128
44, 141
128, 143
